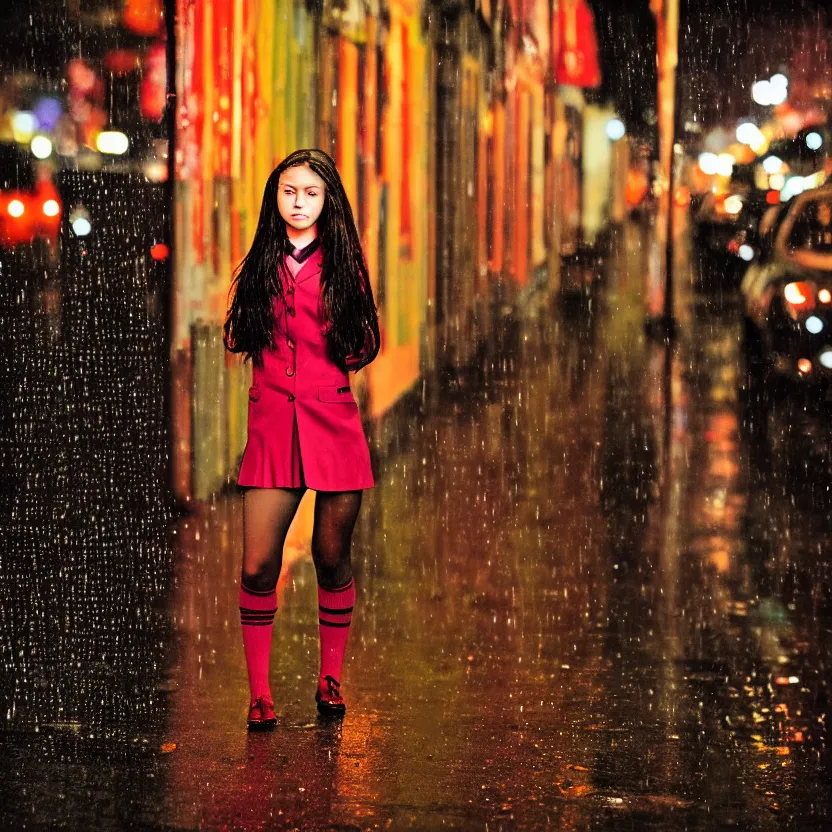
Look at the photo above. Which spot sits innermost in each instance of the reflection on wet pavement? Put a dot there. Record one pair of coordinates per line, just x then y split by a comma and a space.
590, 594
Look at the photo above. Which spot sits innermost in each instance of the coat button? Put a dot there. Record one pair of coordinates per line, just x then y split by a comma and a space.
291, 311
290, 290
291, 343
291, 397
289, 371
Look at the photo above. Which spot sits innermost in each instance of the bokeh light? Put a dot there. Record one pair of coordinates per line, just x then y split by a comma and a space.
47, 111
616, 129
761, 92
733, 204
81, 226
772, 164
24, 126
708, 163
41, 147
725, 164
112, 142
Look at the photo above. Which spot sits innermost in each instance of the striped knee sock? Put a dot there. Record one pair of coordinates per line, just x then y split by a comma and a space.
257, 611
334, 617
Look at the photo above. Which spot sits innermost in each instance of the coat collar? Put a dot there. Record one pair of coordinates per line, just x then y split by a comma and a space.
311, 266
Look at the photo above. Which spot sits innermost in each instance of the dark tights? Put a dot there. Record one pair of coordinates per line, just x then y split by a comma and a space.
267, 515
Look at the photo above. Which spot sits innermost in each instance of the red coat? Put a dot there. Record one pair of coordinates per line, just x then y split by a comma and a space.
304, 426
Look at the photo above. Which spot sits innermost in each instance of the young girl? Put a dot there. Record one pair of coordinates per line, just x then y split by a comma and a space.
303, 312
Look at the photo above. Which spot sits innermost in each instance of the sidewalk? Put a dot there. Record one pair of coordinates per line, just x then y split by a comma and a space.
557, 625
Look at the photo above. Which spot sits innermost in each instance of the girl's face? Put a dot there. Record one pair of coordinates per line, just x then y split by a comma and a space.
300, 197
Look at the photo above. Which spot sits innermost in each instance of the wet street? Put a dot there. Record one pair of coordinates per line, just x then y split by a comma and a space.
592, 592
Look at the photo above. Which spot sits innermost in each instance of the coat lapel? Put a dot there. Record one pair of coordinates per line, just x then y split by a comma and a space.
311, 267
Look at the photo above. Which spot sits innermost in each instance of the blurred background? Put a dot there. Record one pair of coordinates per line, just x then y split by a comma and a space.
488, 152
600, 238
453, 128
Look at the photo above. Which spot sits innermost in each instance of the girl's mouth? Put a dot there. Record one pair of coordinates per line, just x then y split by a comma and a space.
299, 216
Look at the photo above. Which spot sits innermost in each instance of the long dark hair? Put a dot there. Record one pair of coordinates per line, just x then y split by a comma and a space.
346, 296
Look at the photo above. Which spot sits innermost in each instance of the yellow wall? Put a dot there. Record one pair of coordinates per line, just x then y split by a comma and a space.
406, 266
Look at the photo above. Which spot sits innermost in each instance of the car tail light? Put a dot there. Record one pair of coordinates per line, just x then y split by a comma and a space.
825, 296
51, 208
16, 208
804, 366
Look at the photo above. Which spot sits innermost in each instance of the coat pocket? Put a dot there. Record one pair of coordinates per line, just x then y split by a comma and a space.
342, 395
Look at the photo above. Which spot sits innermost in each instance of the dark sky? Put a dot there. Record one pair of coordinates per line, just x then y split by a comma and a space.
722, 45
53, 37
627, 45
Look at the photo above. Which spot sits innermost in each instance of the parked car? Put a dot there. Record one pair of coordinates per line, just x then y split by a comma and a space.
727, 220
30, 206
787, 292
726, 237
